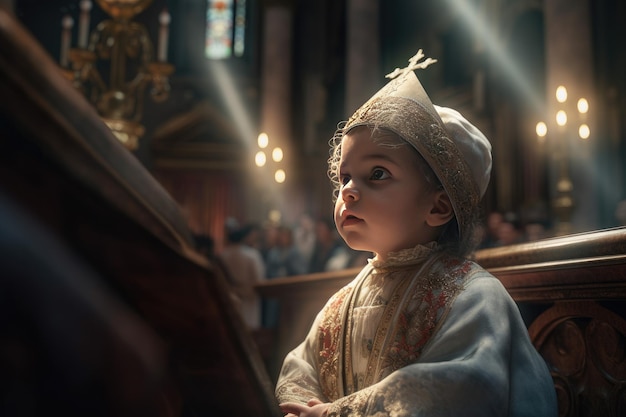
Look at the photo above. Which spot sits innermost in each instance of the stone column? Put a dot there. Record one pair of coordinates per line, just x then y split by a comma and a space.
363, 76
276, 72
276, 103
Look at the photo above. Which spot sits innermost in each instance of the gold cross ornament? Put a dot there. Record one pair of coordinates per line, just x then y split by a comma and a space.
413, 65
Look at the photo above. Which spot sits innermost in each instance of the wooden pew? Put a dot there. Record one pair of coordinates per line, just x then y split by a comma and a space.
571, 292
105, 306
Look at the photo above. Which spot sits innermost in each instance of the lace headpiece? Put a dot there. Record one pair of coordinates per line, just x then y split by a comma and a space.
457, 152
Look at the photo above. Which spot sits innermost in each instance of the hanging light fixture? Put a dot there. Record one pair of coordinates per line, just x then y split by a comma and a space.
120, 48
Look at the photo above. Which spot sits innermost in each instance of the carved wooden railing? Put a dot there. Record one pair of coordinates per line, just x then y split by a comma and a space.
571, 292
106, 308
576, 286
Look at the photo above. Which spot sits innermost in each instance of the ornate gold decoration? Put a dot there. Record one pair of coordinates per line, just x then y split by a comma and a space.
563, 203
414, 64
122, 49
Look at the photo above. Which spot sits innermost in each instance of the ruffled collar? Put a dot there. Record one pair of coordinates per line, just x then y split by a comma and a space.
404, 258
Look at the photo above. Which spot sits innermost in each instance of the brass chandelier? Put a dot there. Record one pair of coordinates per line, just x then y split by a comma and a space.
120, 48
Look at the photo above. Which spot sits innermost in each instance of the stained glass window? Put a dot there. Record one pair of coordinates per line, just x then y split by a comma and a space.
240, 28
225, 32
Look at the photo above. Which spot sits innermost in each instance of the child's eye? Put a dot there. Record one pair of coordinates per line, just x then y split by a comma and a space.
344, 179
379, 174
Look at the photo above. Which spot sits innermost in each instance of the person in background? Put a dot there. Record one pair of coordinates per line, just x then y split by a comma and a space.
283, 260
304, 238
330, 252
245, 268
535, 231
510, 230
490, 238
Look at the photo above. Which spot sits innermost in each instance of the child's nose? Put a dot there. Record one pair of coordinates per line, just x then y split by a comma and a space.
349, 192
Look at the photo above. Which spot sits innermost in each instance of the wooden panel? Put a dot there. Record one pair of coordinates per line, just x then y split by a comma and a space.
584, 345
125, 240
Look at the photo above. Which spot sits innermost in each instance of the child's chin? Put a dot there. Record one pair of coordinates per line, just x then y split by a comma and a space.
358, 245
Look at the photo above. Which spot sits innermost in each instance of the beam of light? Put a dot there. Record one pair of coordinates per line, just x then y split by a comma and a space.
495, 50
234, 103
587, 175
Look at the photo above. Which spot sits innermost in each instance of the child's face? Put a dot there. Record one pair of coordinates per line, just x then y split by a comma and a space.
385, 202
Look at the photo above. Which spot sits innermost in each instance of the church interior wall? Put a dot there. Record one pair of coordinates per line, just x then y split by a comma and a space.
468, 76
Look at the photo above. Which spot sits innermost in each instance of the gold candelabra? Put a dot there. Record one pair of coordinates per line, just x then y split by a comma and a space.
122, 49
260, 157
563, 203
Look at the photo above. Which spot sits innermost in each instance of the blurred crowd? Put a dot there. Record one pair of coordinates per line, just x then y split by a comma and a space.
254, 253
502, 229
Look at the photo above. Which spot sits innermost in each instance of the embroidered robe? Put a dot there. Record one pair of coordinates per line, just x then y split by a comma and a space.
423, 334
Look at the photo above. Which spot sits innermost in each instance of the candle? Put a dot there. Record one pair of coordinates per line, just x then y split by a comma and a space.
66, 23
164, 20
83, 23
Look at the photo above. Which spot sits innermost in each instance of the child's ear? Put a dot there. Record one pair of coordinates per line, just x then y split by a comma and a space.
441, 212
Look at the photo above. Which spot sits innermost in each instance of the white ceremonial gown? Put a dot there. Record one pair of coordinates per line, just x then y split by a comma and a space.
423, 334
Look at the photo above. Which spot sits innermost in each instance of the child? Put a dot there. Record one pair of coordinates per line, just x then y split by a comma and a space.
421, 331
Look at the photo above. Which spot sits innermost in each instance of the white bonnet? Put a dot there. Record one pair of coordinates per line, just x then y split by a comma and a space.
472, 144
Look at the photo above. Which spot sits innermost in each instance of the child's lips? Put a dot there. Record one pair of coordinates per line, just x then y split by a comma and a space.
351, 220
